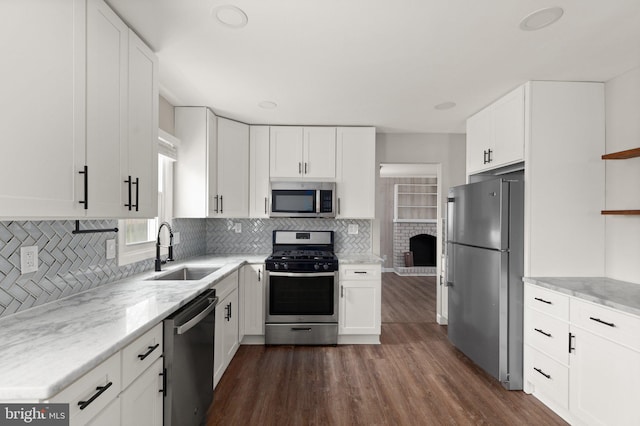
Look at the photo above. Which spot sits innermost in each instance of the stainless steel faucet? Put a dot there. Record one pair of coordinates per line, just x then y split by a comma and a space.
170, 257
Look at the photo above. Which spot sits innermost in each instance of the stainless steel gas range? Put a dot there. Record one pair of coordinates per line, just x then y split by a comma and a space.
302, 289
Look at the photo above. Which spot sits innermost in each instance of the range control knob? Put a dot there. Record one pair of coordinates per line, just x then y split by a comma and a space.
325, 266
316, 266
276, 265
285, 265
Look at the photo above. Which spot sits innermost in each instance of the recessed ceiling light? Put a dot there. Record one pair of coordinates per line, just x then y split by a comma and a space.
268, 105
541, 18
445, 105
230, 16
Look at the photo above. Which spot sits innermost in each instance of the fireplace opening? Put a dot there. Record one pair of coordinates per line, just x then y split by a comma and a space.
423, 247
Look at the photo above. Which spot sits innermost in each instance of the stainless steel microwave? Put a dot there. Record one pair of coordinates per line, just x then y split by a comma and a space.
303, 199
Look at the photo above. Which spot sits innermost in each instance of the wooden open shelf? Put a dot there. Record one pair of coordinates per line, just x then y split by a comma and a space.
622, 212
622, 155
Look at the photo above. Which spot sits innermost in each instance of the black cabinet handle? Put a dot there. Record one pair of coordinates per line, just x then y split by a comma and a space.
338, 205
610, 324
85, 172
571, 348
542, 332
164, 382
221, 205
299, 168
100, 389
489, 152
543, 301
548, 376
259, 275
228, 309
305, 168
137, 184
146, 354
359, 272
265, 205
128, 182
484, 157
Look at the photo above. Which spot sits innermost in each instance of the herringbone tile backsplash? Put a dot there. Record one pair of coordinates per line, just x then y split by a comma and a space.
70, 264
256, 235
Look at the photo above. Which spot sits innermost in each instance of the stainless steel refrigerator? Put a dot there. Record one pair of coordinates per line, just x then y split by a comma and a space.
484, 275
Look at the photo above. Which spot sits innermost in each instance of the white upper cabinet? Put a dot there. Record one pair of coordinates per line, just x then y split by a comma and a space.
233, 168
355, 172
142, 147
41, 177
88, 107
303, 153
495, 135
212, 171
259, 171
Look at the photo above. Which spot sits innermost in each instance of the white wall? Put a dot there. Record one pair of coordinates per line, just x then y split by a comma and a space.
447, 149
165, 119
622, 233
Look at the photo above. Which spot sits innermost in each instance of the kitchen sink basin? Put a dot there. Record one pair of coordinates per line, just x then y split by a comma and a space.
186, 274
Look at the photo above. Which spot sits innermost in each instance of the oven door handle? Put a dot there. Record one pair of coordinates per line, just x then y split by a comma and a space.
302, 274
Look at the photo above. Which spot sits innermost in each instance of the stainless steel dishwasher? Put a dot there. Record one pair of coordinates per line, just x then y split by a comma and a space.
188, 361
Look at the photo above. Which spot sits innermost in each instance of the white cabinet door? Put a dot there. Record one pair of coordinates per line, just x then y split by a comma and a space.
508, 129
233, 168
218, 346
110, 416
253, 302
231, 342
43, 121
603, 381
356, 174
142, 401
259, 171
107, 65
359, 307
195, 179
285, 152
479, 141
142, 150
319, 151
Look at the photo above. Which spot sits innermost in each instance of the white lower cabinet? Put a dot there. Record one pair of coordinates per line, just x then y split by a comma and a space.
142, 401
252, 302
582, 359
226, 328
126, 389
360, 305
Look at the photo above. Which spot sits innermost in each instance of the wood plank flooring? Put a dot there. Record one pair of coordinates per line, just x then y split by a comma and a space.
415, 377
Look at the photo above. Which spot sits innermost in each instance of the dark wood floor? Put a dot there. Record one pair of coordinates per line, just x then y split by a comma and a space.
415, 377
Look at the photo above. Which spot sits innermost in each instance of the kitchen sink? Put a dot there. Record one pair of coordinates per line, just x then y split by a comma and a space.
186, 274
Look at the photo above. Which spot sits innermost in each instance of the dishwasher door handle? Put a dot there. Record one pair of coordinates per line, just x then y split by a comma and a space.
183, 328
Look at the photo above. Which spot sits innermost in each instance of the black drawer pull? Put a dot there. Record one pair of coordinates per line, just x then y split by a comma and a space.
146, 354
543, 301
610, 324
100, 389
542, 332
571, 348
548, 376
359, 272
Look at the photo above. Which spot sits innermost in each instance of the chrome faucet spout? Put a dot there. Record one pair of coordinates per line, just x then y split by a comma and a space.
170, 258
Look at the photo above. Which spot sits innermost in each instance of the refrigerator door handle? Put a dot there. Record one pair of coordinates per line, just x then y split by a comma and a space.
449, 284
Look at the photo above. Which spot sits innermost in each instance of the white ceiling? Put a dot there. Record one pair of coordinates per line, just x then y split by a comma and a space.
385, 63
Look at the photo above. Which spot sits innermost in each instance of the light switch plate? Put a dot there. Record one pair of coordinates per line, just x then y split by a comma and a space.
176, 238
28, 259
352, 229
111, 249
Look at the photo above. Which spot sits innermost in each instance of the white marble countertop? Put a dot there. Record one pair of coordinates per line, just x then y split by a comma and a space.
44, 349
621, 295
358, 258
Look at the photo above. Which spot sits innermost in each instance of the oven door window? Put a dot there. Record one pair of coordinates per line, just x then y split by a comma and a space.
301, 295
293, 201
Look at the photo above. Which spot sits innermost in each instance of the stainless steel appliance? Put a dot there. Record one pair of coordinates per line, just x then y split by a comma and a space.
484, 275
303, 199
302, 289
188, 361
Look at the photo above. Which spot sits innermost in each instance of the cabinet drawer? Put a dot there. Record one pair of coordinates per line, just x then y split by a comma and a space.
140, 354
548, 334
226, 285
547, 301
611, 324
549, 378
360, 272
102, 384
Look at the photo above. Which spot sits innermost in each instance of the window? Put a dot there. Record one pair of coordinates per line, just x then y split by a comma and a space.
137, 237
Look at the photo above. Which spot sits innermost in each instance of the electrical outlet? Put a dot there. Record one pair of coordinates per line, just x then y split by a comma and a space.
111, 249
28, 259
176, 238
237, 227
352, 229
